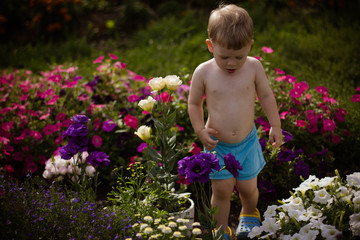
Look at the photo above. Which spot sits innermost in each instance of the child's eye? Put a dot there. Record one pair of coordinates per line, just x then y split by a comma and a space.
224, 58
239, 58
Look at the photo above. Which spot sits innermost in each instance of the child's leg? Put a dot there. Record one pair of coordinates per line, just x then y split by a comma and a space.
249, 194
222, 190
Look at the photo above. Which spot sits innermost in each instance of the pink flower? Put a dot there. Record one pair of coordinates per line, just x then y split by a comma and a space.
59, 140
300, 123
357, 89
60, 117
267, 50
108, 125
133, 98
4, 140
132, 160
96, 141
296, 92
18, 156
335, 139
131, 121
329, 125
139, 78
24, 97
322, 90
55, 78
312, 127
98, 60
329, 100
66, 123
120, 65
37, 135
195, 149
97, 123
279, 72
280, 78
141, 147
355, 98
283, 115
180, 128
49, 129
290, 79
53, 100
301, 85
83, 97
30, 166
7, 126
311, 116
112, 56
165, 97
257, 57
340, 115
45, 116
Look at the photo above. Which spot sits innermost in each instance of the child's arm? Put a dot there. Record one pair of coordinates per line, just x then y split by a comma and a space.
196, 112
268, 103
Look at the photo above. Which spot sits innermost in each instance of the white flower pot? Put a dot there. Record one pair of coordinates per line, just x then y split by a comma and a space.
189, 213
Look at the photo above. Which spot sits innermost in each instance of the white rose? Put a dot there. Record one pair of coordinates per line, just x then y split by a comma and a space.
143, 132
90, 170
147, 104
172, 82
157, 84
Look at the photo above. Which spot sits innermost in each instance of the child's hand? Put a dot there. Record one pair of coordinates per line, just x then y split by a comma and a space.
206, 140
275, 136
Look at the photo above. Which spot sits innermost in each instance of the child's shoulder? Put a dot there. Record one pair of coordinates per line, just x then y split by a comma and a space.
205, 66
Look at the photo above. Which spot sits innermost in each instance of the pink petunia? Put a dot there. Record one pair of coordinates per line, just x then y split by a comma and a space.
120, 65
49, 129
24, 97
96, 141
180, 128
18, 156
112, 56
329, 125
55, 78
355, 98
165, 97
131, 121
30, 166
53, 100
312, 128
283, 115
311, 116
45, 116
279, 72
97, 123
300, 123
329, 100
59, 140
335, 139
83, 97
296, 92
133, 98
340, 115
322, 90
290, 79
141, 147
257, 57
7, 126
267, 50
195, 149
4, 140
301, 85
37, 135
357, 89
280, 78
98, 60
60, 117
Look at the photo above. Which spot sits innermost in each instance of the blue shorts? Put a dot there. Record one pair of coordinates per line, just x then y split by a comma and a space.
248, 152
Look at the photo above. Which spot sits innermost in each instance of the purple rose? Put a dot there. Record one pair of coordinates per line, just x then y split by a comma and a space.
98, 159
232, 165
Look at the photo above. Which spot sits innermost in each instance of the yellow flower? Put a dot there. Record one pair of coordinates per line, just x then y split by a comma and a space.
143, 132
172, 82
147, 104
157, 84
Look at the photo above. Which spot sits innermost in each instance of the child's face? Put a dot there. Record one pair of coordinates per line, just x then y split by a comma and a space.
228, 60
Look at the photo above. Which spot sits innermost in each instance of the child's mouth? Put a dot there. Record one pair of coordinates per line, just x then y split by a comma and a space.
230, 70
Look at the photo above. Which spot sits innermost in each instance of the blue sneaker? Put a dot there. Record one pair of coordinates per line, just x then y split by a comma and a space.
246, 223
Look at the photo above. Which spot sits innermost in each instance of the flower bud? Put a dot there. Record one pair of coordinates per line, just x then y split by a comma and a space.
147, 104
157, 84
143, 132
172, 82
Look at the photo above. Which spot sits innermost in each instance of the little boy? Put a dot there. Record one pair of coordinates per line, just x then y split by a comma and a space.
230, 81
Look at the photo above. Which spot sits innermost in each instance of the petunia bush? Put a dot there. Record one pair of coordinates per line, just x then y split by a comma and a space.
325, 208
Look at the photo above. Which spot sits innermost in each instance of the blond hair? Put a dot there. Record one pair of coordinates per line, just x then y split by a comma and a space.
231, 27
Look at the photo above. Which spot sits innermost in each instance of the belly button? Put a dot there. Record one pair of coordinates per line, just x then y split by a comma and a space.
233, 133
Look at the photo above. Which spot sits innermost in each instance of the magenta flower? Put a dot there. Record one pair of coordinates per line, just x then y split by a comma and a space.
267, 50
133, 98
279, 72
340, 115
131, 121
53, 100
120, 65
322, 90
60, 117
296, 92
311, 116
329, 125
112, 56
312, 128
141, 147
98, 60
49, 129
300, 123
165, 97
232, 165
96, 141
290, 79
7, 126
355, 98
335, 139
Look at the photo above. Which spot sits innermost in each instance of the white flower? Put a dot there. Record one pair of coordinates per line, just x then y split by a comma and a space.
270, 211
326, 181
172, 224
90, 170
147, 104
196, 231
255, 231
148, 219
172, 82
356, 200
148, 230
298, 236
270, 225
47, 174
177, 234
182, 228
157, 221
143, 226
196, 224
166, 230
355, 224
322, 196
353, 179
157, 84
143, 132
180, 220
313, 212
308, 232
329, 232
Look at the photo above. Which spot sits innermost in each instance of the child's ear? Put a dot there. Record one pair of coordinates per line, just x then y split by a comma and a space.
210, 46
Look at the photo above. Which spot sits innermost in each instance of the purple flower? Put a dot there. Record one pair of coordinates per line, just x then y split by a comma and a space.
98, 159
108, 125
198, 167
301, 169
83, 119
232, 165
287, 136
76, 129
75, 145
141, 147
262, 142
267, 191
286, 155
